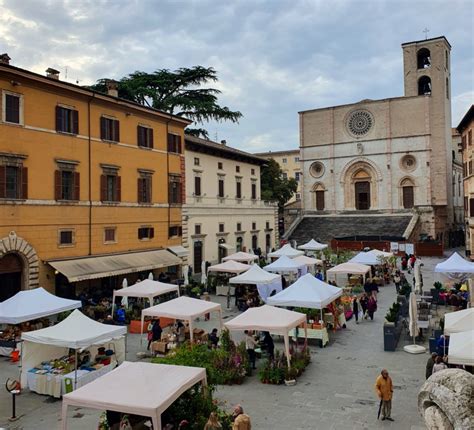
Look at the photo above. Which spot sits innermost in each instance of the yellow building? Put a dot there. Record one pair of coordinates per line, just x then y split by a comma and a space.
90, 185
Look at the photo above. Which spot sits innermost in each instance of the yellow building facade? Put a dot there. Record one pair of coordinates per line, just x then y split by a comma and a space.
83, 175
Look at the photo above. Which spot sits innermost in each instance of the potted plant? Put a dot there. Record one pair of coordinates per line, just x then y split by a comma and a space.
436, 290
290, 376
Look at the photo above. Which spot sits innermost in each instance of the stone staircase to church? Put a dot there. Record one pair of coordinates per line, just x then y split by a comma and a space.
375, 227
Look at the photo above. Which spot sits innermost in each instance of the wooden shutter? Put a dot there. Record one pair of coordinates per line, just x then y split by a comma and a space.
140, 136
178, 146
57, 185
59, 118
320, 200
471, 207
170, 142
408, 198
150, 138
77, 186
103, 188
118, 188
152, 232
3, 182
75, 122
116, 125
140, 185
24, 183
197, 186
103, 128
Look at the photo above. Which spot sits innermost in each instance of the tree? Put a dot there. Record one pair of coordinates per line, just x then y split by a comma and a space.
274, 186
176, 92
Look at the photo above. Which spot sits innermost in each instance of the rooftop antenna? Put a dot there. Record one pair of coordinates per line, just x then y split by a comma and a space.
426, 31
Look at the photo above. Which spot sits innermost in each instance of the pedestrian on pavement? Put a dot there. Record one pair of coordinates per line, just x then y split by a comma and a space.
397, 280
364, 304
213, 422
269, 344
429, 364
371, 307
241, 420
250, 345
384, 390
155, 332
439, 364
355, 309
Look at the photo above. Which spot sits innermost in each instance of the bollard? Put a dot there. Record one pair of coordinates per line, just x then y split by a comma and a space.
14, 393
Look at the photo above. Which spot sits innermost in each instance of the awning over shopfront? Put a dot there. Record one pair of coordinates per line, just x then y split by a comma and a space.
178, 250
82, 269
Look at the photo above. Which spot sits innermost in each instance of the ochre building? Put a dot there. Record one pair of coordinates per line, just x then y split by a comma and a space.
91, 185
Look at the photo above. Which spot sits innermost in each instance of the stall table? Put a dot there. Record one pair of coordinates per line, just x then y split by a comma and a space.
313, 333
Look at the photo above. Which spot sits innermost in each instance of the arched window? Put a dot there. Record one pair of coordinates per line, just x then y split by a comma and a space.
254, 242
424, 86
238, 244
408, 194
423, 57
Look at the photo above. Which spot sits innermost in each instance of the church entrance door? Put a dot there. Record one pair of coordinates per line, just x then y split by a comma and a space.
362, 195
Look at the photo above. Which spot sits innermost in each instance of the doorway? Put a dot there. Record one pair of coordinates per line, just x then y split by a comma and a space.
362, 195
197, 251
11, 268
221, 250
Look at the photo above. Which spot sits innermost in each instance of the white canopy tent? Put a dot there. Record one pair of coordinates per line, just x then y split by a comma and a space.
307, 292
183, 308
313, 245
455, 265
285, 265
367, 258
307, 261
265, 282
229, 266
461, 348
32, 304
129, 389
242, 257
286, 250
455, 322
272, 319
76, 332
379, 253
146, 289
348, 269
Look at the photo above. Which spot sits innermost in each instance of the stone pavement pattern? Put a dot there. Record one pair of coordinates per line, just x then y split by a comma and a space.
335, 392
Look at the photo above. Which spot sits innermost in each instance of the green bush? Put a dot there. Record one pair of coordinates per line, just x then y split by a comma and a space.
276, 371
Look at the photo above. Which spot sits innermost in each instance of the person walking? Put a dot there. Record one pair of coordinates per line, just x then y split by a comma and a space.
250, 345
429, 365
372, 307
364, 304
355, 309
241, 420
155, 332
213, 422
384, 390
269, 344
397, 280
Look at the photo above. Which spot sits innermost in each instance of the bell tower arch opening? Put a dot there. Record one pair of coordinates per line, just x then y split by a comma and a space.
423, 58
424, 86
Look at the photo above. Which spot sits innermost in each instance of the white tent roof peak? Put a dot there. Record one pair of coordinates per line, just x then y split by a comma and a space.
308, 261
255, 275
147, 289
284, 264
32, 304
379, 253
308, 292
368, 258
286, 250
350, 268
455, 264
241, 256
229, 266
183, 308
313, 245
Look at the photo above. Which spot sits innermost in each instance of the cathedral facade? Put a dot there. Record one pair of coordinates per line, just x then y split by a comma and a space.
390, 157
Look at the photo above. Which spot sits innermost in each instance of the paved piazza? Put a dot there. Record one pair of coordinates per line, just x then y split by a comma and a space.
335, 392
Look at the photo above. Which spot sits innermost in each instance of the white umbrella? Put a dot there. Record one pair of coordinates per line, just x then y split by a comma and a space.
203, 273
413, 314
417, 277
186, 274
124, 299
150, 276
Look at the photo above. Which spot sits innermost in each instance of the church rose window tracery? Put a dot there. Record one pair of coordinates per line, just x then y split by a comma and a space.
359, 122
316, 169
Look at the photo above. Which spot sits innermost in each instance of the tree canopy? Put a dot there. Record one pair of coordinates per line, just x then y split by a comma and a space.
176, 92
274, 186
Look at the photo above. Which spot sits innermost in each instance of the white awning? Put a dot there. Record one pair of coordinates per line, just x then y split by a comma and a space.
226, 246
178, 250
81, 269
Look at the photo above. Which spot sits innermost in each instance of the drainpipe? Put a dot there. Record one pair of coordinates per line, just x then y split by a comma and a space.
89, 150
168, 178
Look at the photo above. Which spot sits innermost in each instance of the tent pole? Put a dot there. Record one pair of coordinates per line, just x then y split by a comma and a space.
75, 369
287, 349
191, 337
113, 303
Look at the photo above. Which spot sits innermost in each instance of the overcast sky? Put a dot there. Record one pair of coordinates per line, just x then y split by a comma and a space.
274, 58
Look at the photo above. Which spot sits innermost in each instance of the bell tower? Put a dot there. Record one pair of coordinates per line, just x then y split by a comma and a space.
427, 73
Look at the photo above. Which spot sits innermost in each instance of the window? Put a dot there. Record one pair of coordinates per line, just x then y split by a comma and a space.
297, 159
316, 170
298, 196
469, 138
220, 166
237, 169
12, 108
109, 129
285, 175
254, 242
466, 203
197, 229
196, 161
175, 230
238, 189
109, 234
471, 207
66, 237
221, 227
320, 200
174, 143
145, 233
144, 188
297, 176
144, 136
13, 182
66, 184
252, 171
284, 160
110, 186
254, 226
267, 225
470, 168
67, 120
239, 226
254, 190
464, 141
197, 186
174, 189
220, 191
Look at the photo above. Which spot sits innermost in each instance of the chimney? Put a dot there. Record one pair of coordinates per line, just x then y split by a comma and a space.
52, 73
112, 87
224, 142
5, 59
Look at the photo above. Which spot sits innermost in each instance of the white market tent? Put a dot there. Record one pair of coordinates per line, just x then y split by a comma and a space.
455, 322
307, 292
183, 308
461, 348
32, 304
140, 396
286, 250
229, 266
348, 269
284, 265
307, 261
265, 282
241, 256
146, 289
76, 331
368, 258
313, 245
379, 253
269, 318
455, 264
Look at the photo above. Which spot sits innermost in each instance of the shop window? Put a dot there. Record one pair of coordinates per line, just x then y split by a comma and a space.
110, 234
144, 136
67, 120
12, 108
66, 237
174, 143
109, 129
145, 233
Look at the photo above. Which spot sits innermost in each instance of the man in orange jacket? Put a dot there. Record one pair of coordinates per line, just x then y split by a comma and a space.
384, 390
241, 420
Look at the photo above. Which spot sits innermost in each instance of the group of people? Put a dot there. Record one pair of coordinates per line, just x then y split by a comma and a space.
240, 420
154, 331
251, 343
364, 307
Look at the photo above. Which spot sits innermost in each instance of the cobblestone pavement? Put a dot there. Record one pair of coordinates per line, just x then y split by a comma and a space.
335, 392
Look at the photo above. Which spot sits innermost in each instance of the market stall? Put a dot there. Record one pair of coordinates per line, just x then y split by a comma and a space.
455, 265
285, 264
461, 348
348, 269
47, 366
183, 308
269, 318
128, 389
381, 254
312, 245
287, 251
367, 258
265, 282
309, 262
455, 322
243, 257
230, 267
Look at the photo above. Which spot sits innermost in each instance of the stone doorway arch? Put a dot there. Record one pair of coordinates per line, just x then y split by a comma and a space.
12, 244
